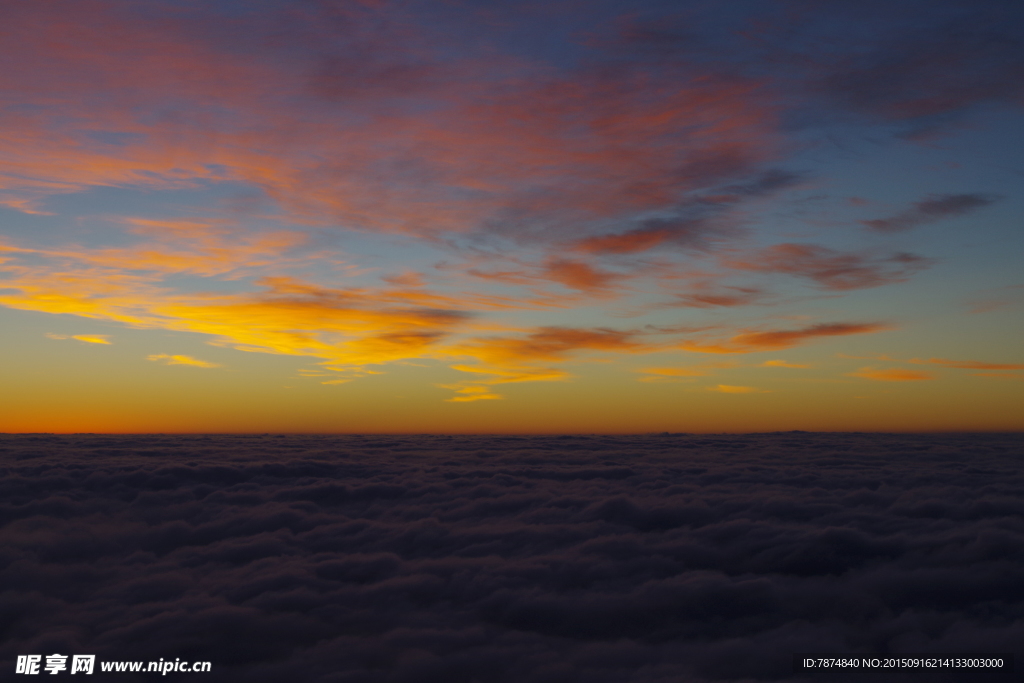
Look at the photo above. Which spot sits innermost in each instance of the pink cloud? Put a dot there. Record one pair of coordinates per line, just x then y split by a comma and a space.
579, 275
386, 132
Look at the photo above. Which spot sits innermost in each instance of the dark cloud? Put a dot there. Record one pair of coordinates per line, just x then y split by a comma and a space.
697, 223
934, 208
914, 63
829, 268
510, 558
766, 183
652, 233
961, 57
705, 297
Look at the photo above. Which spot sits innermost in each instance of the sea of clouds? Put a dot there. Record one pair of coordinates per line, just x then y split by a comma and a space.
515, 559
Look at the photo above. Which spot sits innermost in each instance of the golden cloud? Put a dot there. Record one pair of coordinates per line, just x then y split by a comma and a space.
470, 392
729, 389
92, 338
347, 328
89, 338
181, 360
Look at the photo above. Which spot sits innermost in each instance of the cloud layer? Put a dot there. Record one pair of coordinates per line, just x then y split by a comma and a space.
525, 559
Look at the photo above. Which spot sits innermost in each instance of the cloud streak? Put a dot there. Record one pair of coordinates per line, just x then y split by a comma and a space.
831, 269
891, 374
733, 389
967, 364
934, 208
750, 342
88, 338
783, 364
167, 359
671, 374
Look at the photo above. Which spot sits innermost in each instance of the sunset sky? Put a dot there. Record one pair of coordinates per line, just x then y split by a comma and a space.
470, 216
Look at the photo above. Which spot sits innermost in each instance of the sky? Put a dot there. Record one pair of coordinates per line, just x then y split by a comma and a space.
455, 216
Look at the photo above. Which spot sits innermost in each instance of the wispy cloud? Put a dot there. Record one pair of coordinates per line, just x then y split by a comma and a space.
730, 389
683, 373
782, 364
749, 342
703, 296
92, 338
89, 338
934, 208
698, 223
580, 275
668, 375
829, 268
996, 299
877, 356
967, 364
181, 360
891, 374
466, 393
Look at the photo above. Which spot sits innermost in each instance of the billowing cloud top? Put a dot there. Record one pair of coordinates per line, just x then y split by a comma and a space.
511, 559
